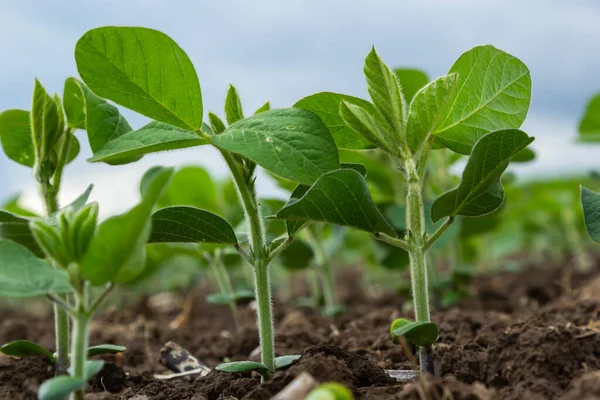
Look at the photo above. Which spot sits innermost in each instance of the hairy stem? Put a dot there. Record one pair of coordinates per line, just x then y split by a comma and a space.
79, 345
247, 193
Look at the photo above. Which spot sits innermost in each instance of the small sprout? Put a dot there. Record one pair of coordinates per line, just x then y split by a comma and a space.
253, 366
330, 391
418, 333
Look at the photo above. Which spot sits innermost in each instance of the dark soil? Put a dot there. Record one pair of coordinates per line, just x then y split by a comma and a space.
528, 335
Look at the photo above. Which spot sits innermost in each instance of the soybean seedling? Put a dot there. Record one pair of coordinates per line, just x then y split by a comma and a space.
474, 110
589, 131
146, 71
41, 139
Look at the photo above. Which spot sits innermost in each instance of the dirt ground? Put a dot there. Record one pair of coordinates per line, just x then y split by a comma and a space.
525, 335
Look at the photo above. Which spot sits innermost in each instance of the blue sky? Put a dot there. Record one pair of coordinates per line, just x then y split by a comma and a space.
284, 50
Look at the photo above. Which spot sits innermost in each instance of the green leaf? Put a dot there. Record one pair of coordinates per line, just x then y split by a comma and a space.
426, 110
15, 135
397, 324
45, 122
330, 391
191, 186
102, 121
589, 126
216, 124
58, 388
13, 205
293, 227
493, 91
243, 294
25, 348
242, 366
524, 155
181, 224
385, 91
104, 349
361, 169
419, 333
24, 275
218, 299
339, 197
590, 201
233, 106
480, 190
285, 361
16, 229
289, 142
92, 367
365, 124
117, 250
327, 106
411, 81
263, 108
144, 70
153, 137
297, 256
74, 104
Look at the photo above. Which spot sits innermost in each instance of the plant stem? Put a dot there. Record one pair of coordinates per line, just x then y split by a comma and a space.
324, 265
224, 284
79, 345
262, 286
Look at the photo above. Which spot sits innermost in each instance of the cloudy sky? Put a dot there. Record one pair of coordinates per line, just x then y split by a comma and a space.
284, 50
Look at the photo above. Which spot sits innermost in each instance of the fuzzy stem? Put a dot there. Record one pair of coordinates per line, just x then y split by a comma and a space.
79, 345
247, 193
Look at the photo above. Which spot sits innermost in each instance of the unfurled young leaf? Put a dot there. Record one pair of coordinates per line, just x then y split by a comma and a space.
385, 91
289, 142
24, 275
117, 251
591, 212
589, 126
182, 224
480, 191
153, 137
25, 348
327, 105
15, 135
263, 108
144, 70
493, 91
285, 361
365, 124
339, 197
411, 81
233, 106
216, 124
46, 123
427, 109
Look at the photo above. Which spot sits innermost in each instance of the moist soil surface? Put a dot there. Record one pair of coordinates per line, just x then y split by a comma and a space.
532, 334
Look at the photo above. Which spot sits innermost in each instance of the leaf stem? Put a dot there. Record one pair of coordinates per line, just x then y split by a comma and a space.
62, 160
109, 287
60, 301
439, 232
398, 242
79, 345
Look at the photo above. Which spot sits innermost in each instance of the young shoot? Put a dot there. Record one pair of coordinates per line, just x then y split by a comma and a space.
146, 71
475, 110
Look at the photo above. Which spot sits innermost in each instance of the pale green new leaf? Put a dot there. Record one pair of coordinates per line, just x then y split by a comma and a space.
263, 108
288, 142
181, 224
151, 138
327, 106
233, 106
16, 229
191, 186
46, 125
15, 135
589, 126
216, 124
339, 197
24, 275
493, 91
59, 387
365, 124
144, 70
118, 245
590, 201
426, 110
480, 190
411, 81
385, 91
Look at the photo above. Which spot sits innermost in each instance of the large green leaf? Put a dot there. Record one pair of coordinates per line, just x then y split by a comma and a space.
480, 191
189, 224
26, 348
289, 142
327, 105
493, 91
117, 250
426, 110
297, 256
16, 228
15, 135
589, 126
144, 70
590, 201
411, 80
339, 197
46, 122
385, 91
191, 186
24, 275
102, 121
153, 137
